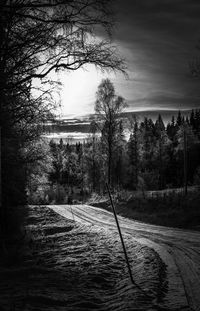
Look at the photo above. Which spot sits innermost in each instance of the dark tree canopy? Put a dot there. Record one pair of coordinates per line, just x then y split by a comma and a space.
37, 38
41, 36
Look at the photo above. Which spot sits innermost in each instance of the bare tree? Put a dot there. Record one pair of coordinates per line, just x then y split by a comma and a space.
109, 106
36, 38
47, 35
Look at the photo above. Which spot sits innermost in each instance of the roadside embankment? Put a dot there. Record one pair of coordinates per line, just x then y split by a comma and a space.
168, 209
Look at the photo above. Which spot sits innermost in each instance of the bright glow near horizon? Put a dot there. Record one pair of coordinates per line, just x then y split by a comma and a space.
78, 91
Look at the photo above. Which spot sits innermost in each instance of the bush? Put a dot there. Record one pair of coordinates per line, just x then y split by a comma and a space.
56, 194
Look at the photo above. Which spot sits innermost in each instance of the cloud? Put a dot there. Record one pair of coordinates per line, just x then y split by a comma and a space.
164, 102
158, 39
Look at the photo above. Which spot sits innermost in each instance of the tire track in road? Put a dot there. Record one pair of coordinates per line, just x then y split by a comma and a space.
179, 249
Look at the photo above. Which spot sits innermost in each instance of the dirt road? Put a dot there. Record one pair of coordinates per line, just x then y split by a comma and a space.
178, 249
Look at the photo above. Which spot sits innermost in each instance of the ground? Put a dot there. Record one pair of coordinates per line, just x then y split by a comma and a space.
74, 261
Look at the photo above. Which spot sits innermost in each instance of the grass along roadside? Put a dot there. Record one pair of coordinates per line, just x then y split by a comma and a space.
172, 209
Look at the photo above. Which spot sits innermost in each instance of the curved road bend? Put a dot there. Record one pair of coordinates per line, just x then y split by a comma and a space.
179, 249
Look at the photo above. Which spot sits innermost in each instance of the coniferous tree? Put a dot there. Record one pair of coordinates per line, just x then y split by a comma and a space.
192, 119
172, 129
133, 152
197, 123
179, 120
161, 148
147, 131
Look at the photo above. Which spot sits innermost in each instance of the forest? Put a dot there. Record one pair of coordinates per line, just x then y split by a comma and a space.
155, 157
58, 254
39, 38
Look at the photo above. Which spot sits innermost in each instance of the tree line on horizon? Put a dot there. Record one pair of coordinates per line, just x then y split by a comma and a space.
151, 159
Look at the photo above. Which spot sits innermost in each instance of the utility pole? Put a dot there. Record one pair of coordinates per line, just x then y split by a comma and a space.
185, 160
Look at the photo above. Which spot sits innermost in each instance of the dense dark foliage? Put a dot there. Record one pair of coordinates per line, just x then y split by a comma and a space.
151, 159
156, 152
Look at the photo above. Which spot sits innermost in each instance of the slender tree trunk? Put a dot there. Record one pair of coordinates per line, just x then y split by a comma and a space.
93, 165
109, 150
109, 165
136, 162
160, 165
185, 162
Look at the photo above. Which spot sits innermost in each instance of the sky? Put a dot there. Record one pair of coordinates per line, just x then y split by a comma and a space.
158, 39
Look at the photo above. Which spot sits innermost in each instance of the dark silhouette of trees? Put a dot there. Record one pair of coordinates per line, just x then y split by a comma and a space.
161, 152
161, 145
134, 152
172, 129
37, 38
73, 166
180, 119
50, 35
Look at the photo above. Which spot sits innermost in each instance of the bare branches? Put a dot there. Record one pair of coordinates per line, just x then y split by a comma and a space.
36, 38
39, 37
52, 35
109, 106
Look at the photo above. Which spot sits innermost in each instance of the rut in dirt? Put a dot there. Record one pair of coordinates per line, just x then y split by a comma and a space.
65, 265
